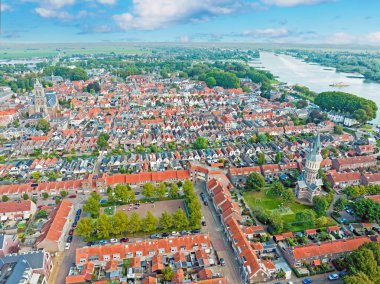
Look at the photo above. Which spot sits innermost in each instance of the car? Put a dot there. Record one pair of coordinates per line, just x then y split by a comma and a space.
67, 246
343, 273
205, 203
74, 225
222, 262
343, 220
307, 281
184, 233
79, 211
102, 242
40, 206
175, 233
77, 217
290, 282
90, 244
333, 276
155, 236
203, 223
69, 239
165, 235
124, 240
195, 231
113, 240
71, 232
72, 196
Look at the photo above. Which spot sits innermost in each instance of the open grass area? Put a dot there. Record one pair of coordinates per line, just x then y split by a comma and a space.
267, 201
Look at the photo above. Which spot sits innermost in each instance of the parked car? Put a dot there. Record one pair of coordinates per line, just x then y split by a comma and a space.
155, 236
67, 246
90, 244
307, 281
195, 231
203, 223
40, 206
333, 276
205, 203
69, 239
165, 235
102, 242
113, 240
184, 233
72, 196
74, 225
124, 240
71, 232
175, 233
222, 262
79, 211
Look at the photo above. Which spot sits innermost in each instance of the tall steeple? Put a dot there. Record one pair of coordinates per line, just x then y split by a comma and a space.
313, 161
40, 103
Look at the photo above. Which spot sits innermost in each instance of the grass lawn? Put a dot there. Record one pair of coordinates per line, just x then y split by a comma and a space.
109, 211
273, 203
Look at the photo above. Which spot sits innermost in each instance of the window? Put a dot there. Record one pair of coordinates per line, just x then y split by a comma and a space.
138, 253
152, 252
106, 257
161, 250
173, 249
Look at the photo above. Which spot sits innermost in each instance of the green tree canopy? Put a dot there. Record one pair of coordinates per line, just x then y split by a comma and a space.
255, 181
201, 143
85, 227
150, 222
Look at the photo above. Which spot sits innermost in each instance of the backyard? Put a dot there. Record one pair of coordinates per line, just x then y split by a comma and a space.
267, 201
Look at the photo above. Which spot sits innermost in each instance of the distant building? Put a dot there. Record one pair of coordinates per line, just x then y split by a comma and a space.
309, 185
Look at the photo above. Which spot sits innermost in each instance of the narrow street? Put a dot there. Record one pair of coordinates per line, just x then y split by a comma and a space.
215, 229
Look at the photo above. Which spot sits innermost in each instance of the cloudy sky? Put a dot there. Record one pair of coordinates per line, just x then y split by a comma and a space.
280, 21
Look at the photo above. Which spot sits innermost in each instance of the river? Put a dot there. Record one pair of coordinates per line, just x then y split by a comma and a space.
316, 77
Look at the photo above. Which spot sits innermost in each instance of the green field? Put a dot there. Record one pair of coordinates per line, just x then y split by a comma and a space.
272, 203
40, 51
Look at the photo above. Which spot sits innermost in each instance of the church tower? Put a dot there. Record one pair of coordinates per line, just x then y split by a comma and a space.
40, 103
313, 161
309, 185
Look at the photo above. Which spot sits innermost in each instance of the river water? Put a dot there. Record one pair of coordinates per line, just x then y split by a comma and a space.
318, 78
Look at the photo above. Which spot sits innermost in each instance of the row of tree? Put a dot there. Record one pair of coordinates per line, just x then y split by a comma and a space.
74, 74
363, 110
121, 224
355, 191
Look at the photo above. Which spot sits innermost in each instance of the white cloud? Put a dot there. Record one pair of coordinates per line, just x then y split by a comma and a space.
267, 33
344, 38
154, 14
5, 7
46, 13
107, 2
290, 3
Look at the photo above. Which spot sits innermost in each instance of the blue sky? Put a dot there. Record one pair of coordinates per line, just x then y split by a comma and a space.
280, 21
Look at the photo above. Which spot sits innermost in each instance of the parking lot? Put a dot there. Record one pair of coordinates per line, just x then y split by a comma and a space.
157, 208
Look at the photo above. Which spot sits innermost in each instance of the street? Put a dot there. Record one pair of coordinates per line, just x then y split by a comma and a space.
215, 229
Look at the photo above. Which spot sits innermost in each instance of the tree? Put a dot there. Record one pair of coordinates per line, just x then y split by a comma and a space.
338, 129
173, 192
92, 206
166, 220
93, 86
340, 203
180, 220
36, 176
160, 190
104, 226
210, 82
306, 216
262, 138
43, 124
124, 193
85, 227
287, 196
201, 143
41, 214
25, 196
148, 190
150, 222
320, 205
367, 209
64, 193
4, 198
322, 221
120, 223
255, 181
57, 200
276, 225
168, 273
135, 223
358, 278
261, 158
103, 140
278, 157
363, 260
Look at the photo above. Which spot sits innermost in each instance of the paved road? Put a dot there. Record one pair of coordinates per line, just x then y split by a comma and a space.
215, 229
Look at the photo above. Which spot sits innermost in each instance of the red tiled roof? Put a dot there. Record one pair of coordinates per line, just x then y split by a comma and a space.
332, 247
